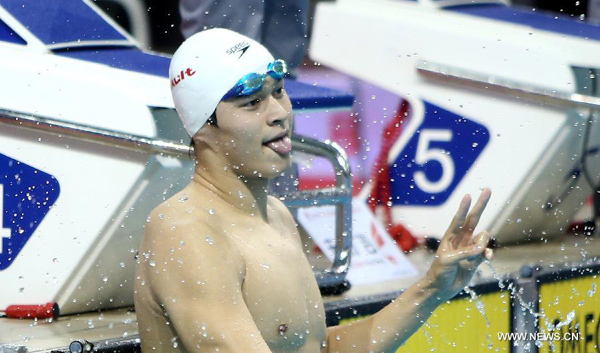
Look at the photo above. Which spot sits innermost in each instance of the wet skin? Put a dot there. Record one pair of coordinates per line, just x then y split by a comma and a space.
222, 268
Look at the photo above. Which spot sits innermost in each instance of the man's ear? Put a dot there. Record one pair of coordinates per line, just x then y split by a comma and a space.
206, 137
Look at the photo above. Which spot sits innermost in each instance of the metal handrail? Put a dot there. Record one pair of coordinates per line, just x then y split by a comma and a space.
97, 135
340, 196
471, 79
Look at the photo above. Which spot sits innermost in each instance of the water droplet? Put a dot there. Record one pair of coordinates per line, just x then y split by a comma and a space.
592, 291
209, 240
184, 198
152, 263
211, 211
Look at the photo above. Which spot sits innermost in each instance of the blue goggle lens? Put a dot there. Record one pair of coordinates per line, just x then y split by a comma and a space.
253, 82
277, 69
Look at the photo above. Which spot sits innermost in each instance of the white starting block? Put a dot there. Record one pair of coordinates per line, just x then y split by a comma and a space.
74, 210
493, 104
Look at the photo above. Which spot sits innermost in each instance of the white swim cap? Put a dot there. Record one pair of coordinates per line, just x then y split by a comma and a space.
206, 66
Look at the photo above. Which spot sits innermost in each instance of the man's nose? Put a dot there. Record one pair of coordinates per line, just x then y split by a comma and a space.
277, 111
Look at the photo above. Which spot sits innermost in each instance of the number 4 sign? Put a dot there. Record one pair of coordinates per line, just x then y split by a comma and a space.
435, 159
26, 196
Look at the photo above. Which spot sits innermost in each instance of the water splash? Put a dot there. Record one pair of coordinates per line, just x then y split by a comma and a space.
529, 307
481, 308
514, 293
478, 304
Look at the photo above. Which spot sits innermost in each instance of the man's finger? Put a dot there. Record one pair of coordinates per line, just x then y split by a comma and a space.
475, 214
470, 264
481, 239
488, 254
467, 253
459, 218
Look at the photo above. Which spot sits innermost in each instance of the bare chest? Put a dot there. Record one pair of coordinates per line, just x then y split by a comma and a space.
281, 293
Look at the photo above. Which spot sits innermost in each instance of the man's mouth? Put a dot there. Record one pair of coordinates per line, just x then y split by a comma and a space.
281, 144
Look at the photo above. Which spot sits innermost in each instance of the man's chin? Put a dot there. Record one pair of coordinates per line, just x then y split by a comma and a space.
278, 170
278, 167
268, 172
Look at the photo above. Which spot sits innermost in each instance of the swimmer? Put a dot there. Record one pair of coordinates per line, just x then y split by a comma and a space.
221, 266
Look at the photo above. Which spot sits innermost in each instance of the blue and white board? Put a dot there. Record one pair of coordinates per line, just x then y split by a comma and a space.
26, 196
436, 158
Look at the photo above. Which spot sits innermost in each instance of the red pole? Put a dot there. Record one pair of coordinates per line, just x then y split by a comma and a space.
44, 311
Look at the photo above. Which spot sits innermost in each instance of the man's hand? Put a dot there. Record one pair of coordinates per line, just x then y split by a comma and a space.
460, 252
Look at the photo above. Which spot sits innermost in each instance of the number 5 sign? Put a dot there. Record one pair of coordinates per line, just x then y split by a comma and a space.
26, 195
435, 158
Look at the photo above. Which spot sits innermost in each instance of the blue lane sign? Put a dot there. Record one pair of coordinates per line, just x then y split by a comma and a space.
27, 194
436, 158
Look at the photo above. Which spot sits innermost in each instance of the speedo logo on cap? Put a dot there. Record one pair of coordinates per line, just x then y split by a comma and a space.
181, 76
240, 47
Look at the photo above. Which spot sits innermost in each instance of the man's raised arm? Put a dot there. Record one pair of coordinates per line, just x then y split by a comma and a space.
197, 274
455, 262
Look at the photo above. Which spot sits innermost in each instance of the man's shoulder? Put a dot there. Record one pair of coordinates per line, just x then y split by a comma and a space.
178, 221
183, 211
188, 204
280, 208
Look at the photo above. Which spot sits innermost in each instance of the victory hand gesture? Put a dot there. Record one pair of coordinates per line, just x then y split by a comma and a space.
460, 252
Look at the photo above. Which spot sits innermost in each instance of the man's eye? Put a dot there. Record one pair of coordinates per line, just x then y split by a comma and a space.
252, 103
278, 92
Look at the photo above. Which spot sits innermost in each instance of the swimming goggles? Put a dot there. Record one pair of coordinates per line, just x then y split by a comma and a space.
253, 82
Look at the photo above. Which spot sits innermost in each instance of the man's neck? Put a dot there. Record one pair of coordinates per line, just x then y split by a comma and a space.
248, 195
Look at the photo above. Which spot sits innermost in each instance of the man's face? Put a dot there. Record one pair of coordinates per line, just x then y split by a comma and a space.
248, 126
